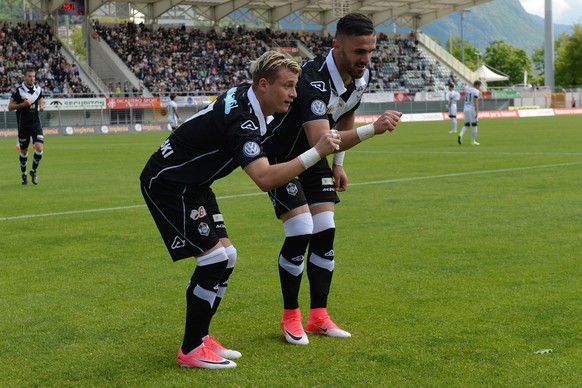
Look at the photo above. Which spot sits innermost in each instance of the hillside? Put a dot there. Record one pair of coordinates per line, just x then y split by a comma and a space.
506, 20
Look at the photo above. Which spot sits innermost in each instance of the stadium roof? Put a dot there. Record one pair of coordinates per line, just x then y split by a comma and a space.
411, 13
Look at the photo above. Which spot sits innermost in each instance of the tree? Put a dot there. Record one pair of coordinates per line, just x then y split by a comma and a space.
471, 57
568, 71
508, 59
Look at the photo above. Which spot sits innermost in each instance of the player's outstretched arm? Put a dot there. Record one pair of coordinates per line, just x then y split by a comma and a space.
387, 122
268, 177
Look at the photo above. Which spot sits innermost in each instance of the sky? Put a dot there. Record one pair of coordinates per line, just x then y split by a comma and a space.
563, 11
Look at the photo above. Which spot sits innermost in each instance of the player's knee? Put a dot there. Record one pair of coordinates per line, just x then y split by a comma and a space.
216, 256
323, 221
231, 253
298, 225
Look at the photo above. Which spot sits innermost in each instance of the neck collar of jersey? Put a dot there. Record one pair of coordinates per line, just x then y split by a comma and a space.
336, 77
258, 112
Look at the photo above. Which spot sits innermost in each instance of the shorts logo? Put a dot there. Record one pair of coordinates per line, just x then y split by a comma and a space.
251, 149
178, 243
292, 189
297, 258
319, 85
204, 229
249, 125
327, 181
217, 218
318, 107
196, 214
330, 253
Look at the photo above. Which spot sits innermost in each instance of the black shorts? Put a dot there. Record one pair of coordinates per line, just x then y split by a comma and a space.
314, 185
188, 219
24, 136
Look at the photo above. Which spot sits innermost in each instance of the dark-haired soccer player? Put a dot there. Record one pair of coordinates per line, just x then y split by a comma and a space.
176, 187
328, 94
27, 100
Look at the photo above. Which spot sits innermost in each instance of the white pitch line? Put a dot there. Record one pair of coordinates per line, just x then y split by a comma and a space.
452, 175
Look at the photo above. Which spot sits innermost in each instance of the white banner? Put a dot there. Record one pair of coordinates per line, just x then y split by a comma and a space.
74, 103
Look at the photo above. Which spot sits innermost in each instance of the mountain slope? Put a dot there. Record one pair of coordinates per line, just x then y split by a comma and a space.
505, 20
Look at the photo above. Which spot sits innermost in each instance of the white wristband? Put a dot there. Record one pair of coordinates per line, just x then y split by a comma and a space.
365, 131
338, 158
309, 158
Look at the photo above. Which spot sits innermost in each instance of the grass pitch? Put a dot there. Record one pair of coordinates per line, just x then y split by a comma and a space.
454, 266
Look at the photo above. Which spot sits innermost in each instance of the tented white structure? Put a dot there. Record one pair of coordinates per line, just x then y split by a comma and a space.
484, 73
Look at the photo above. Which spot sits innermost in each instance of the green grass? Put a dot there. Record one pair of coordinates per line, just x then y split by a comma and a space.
454, 265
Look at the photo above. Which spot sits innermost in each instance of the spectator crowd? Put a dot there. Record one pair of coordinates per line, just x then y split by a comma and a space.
177, 60
29, 44
180, 60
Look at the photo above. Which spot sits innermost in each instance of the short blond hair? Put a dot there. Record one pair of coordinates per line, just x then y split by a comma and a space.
268, 65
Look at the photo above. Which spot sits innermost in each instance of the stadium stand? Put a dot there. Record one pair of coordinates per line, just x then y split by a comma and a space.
179, 60
33, 45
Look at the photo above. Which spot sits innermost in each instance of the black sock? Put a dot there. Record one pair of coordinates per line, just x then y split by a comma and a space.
291, 261
200, 297
320, 266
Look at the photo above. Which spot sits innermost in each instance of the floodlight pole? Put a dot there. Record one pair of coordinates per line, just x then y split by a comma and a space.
549, 47
462, 35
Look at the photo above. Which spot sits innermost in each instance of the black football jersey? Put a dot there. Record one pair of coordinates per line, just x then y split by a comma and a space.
321, 95
213, 142
27, 118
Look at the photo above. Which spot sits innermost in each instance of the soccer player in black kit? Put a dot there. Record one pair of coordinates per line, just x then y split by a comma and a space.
176, 187
328, 94
27, 100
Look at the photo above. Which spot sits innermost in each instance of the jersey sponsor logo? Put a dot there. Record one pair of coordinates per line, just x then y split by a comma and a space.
318, 107
178, 243
335, 107
229, 101
292, 189
204, 229
319, 85
198, 213
166, 149
327, 181
251, 149
249, 125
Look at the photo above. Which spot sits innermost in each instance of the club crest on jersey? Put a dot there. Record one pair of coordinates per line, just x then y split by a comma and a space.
249, 125
198, 213
204, 229
178, 243
360, 91
292, 189
319, 85
229, 101
251, 149
318, 107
